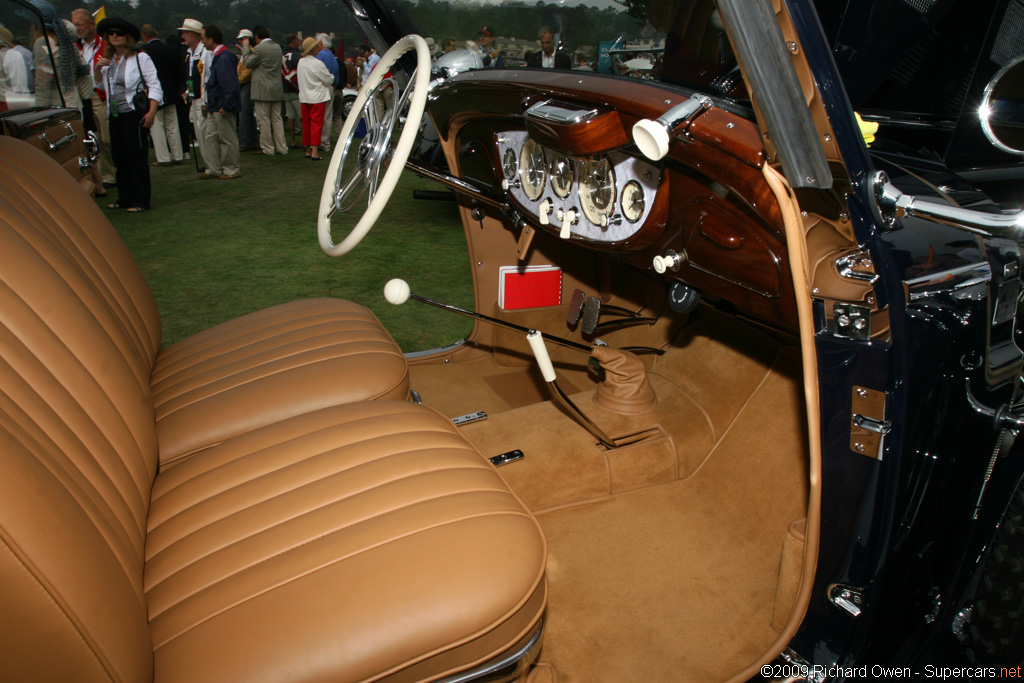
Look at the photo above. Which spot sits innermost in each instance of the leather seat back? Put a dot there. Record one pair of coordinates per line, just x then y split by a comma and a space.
78, 334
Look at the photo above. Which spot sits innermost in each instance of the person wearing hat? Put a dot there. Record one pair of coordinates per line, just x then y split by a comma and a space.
196, 66
247, 118
315, 85
489, 53
129, 78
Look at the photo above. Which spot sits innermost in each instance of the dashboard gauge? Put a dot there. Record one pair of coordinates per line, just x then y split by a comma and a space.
532, 169
632, 201
508, 164
597, 191
560, 169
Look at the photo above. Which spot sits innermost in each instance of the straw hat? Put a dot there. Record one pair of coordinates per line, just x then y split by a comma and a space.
193, 25
309, 45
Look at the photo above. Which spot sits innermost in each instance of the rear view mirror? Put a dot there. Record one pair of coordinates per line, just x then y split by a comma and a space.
1002, 109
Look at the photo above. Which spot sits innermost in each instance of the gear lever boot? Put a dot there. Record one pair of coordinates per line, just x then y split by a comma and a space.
625, 388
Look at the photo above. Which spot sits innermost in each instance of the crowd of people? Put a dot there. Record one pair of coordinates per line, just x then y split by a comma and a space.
192, 97
189, 97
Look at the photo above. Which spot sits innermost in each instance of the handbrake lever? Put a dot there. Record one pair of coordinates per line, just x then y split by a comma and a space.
547, 371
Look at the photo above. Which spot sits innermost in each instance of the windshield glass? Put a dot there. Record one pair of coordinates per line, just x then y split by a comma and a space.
681, 42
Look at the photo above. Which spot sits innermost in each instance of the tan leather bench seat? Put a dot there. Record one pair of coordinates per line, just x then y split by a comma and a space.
239, 375
362, 541
268, 366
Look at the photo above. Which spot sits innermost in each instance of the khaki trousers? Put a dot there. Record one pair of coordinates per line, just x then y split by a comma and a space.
166, 138
106, 162
195, 115
268, 117
222, 154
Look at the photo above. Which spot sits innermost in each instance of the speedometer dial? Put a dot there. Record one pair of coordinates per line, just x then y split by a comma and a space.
561, 175
597, 191
532, 170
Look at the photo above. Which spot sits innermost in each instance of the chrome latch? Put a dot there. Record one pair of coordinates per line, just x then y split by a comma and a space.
846, 597
857, 266
63, 142
868, 425
852, 321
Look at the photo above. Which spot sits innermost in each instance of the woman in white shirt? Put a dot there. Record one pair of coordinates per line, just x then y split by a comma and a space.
315, 80
123, 73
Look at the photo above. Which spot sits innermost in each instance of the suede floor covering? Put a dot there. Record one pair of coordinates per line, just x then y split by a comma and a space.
663, 565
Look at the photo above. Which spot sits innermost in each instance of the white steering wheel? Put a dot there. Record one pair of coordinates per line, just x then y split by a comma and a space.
375, 149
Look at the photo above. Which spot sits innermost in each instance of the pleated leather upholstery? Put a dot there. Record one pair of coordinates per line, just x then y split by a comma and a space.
376, 535
365, 541
268, 366
78, 331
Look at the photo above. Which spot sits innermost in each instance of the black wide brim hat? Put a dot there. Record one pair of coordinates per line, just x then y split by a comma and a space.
119, 23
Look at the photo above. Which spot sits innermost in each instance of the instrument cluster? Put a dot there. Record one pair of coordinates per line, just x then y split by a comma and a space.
603, 199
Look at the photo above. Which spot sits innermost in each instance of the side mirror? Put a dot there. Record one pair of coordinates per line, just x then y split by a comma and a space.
1002, 109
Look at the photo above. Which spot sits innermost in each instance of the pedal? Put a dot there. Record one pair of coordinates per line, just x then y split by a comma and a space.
468, 418
506, 458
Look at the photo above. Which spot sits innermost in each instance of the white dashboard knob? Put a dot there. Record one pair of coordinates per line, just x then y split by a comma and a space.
670, 261
652, 137
545, 211
397, 291
568, 218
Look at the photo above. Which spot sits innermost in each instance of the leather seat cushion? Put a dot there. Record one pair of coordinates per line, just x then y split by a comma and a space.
383, 544
269, 366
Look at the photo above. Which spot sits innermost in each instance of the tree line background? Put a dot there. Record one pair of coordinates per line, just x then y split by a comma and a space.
580, 26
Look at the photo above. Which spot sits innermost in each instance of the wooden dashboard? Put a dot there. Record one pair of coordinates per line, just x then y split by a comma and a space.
556, 148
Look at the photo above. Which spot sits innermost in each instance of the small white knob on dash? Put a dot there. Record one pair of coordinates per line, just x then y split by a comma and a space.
397, 291
568, 218
545, 211
540, 352
652, 137
670, 261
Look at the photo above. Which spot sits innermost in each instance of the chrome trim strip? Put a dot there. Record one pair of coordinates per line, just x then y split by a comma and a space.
951, 280
559, 114
489, 668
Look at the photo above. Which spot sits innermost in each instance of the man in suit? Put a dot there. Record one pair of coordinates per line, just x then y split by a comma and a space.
170, 71
547, 57
267, 89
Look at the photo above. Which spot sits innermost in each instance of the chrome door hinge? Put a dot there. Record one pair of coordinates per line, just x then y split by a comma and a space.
868, 425
847, 598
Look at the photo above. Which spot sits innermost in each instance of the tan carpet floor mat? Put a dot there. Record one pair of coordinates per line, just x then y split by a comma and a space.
678, 582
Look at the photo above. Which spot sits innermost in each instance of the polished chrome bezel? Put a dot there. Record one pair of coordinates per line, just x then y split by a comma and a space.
597, 190
562, 174
532, 169
509, 164
632, 210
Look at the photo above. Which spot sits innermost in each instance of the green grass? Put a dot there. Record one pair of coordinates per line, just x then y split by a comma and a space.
216, 249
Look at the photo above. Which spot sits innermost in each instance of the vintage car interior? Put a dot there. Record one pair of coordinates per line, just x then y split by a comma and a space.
288, 497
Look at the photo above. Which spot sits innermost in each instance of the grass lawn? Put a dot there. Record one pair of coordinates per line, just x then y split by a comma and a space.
216, 249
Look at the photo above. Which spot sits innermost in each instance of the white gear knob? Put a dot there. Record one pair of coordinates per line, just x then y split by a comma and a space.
397, 291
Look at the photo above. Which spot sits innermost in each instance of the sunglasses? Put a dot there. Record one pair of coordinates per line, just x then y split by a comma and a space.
116, 32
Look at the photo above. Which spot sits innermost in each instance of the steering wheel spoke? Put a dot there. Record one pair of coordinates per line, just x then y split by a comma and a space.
392, 117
